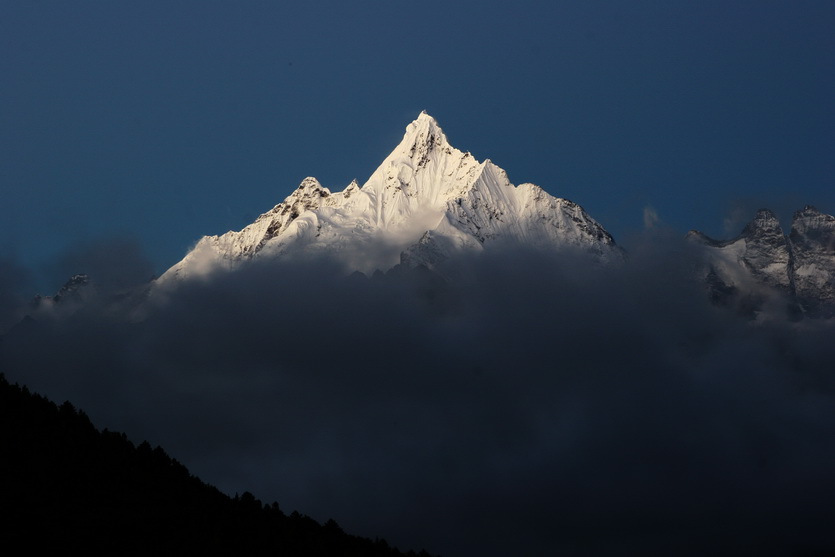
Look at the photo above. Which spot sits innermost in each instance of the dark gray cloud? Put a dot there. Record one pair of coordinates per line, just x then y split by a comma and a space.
539, 403
115, 264
14, 281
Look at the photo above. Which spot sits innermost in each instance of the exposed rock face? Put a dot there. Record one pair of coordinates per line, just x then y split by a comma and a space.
75, 290
812, 242
800, 266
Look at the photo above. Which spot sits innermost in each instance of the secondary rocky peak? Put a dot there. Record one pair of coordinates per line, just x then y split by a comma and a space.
352, 188
807, 211
72, 287
308, 195
309, 188
813, 227
74, 290
812, 240
759, 255
800, 265
764, 228
764, 234
764, 222
310, 183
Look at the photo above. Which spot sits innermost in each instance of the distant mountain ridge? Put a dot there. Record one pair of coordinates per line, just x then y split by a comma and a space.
800, 264
424, 203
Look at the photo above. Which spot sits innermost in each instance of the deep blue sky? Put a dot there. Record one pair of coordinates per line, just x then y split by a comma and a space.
165, 121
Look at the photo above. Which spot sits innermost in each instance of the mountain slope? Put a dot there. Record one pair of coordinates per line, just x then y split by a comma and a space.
760, 254
764, 260
426, 201
812, 242
68, 487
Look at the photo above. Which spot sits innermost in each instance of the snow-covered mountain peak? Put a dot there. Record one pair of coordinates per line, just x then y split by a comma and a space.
424, 120
424, 139
425, 201
423, 128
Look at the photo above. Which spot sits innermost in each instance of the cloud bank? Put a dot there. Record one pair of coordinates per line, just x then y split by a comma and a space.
537, 404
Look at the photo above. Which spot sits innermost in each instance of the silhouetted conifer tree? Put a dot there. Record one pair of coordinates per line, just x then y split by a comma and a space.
69, 488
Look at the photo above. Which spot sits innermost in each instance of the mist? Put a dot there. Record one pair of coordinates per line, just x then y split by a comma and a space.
522, 402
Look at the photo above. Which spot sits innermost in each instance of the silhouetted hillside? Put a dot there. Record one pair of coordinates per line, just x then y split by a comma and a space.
66, 486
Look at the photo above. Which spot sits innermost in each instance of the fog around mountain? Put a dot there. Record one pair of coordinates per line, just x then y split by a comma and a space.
539, 402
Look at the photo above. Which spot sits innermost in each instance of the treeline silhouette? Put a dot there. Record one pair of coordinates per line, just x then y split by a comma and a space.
66, 486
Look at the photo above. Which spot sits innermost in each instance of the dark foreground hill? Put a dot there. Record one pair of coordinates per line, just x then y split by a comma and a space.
67, 486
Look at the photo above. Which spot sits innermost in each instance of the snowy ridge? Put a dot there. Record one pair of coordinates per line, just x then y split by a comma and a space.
426, 201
